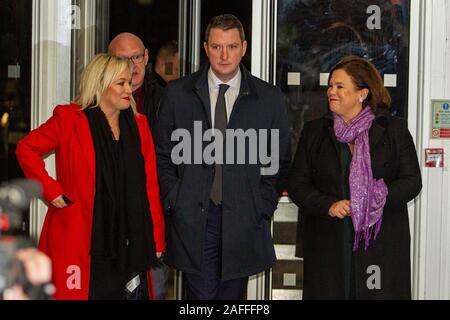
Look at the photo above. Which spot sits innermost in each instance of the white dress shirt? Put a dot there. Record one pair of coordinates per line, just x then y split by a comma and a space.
230, 96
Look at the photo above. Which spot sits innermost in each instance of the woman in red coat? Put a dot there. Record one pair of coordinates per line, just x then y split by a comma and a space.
104, 228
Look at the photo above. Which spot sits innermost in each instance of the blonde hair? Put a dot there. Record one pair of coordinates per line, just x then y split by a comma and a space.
97, 76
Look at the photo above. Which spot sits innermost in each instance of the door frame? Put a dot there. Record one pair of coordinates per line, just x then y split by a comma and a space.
53, 72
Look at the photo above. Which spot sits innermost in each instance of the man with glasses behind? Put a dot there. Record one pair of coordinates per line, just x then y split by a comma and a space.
146, 90
147, 93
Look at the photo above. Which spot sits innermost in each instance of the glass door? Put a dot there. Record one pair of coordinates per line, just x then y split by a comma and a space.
15, 82
15, 86
314, 35
311, 37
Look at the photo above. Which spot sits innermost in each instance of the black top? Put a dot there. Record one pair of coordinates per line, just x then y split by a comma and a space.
122, 228
153, 94
349, 232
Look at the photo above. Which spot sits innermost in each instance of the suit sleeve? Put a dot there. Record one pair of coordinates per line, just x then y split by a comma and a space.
167, 170
33, 147
148, 151
409, 181
302, 191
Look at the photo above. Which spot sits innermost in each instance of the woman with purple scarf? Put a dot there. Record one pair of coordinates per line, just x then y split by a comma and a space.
353, 174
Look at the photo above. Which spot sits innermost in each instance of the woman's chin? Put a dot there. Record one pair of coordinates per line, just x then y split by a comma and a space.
334, 109
123, 106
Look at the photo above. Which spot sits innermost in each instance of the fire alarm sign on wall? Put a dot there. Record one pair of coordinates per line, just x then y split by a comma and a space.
434, 158
440, 127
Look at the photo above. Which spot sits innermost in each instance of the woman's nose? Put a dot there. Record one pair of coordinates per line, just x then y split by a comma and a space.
128, 89
330, 91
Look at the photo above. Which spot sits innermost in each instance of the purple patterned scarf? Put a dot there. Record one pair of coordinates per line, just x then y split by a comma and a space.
367, 195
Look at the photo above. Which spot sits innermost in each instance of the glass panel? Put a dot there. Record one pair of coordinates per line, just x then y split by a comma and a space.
15, 87
242, 9
15, 82
154, 21
312, 36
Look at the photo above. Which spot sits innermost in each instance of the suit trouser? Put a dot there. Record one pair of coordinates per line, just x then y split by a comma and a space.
208, 285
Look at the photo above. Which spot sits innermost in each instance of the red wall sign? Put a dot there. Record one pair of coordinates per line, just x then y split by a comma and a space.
434, 158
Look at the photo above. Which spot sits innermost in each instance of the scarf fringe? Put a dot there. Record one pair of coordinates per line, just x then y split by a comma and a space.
367, 235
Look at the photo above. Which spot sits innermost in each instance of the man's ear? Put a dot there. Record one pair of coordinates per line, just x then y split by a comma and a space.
146, 56
205, 46
244, 47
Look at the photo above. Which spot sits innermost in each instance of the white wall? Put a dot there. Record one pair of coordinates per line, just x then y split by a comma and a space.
432, 221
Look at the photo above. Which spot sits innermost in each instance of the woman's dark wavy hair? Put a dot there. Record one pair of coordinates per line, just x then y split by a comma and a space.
365, 76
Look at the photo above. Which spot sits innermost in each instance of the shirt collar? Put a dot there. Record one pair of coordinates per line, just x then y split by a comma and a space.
234, 83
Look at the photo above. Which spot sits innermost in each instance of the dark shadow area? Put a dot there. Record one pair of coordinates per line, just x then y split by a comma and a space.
314, 35
15, 82
242, 9
15, 87
154, 21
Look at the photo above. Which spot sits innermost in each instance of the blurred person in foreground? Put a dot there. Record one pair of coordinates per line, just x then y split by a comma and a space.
38, 270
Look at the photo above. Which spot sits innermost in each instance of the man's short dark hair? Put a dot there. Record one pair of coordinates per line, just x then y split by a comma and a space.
225, 22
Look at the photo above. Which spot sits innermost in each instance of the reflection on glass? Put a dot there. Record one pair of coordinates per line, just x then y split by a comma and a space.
314, 35
15, 82
154, 21
15, 86
242, 9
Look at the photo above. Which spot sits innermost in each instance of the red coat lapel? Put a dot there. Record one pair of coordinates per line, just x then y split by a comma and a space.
85, 140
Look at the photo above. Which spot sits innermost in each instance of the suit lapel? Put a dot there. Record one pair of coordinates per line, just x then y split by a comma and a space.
201, 88
203, 94
244, 91
83, 132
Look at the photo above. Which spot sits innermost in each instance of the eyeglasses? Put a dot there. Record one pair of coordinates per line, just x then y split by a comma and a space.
136, 59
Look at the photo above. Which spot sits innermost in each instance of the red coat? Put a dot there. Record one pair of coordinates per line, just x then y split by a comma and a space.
66, 234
